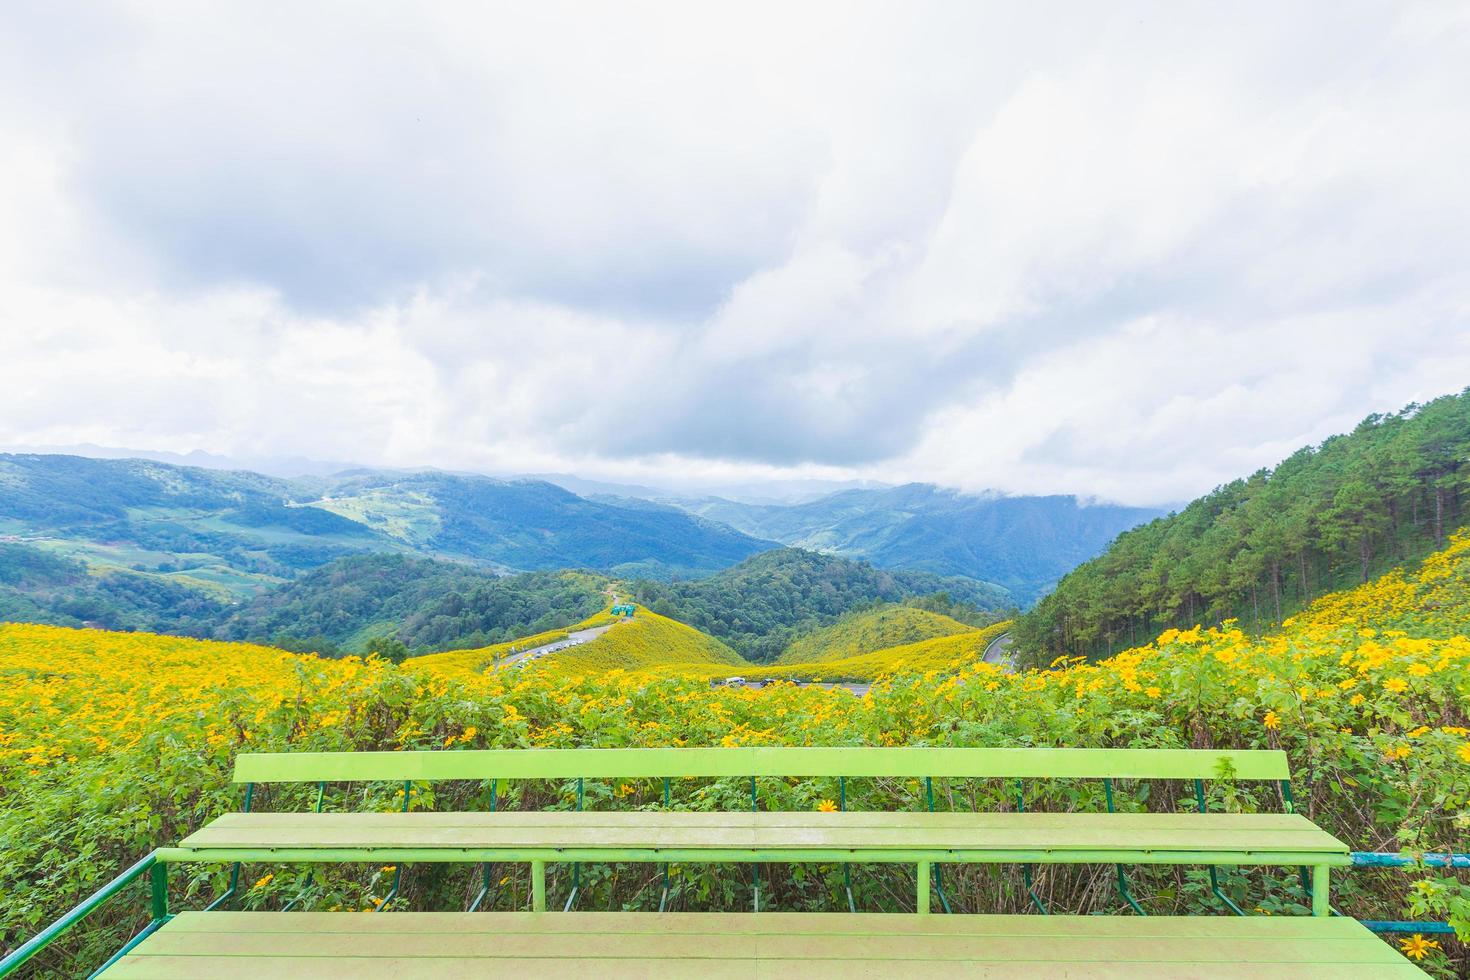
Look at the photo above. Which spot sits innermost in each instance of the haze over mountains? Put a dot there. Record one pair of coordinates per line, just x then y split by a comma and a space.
144, 544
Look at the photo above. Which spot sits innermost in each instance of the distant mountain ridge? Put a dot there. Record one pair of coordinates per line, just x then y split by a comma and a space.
1022, 543
235, 532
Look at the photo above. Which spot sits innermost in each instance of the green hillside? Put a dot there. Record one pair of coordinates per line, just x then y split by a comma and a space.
759, 606
1022, 543
1256, 549
648, 640
237, 533
870, 630
425, 604
38, 586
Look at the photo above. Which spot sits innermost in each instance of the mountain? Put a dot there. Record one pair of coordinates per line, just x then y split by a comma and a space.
761, 604
532, 525
422, 603
1259, 548
1023, 543
234, 533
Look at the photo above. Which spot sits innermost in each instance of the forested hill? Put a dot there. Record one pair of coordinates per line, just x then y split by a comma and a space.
761, 604
1023, 543
1259, 548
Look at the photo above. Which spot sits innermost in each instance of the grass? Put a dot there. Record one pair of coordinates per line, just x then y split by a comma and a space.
870, 630
408, 516
648, 640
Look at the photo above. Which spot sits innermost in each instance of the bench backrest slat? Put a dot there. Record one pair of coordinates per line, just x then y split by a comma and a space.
857, 762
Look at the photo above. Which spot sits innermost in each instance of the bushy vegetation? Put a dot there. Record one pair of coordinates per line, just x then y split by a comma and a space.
425, 604
940, 656
1023, 544
1367, 692
1259, 548
39, 587
873, 629
759, 606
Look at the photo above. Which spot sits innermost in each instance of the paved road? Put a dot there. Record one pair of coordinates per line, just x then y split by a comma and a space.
999, 652
571, 640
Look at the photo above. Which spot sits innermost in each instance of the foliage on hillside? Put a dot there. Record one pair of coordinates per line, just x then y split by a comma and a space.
239, 529
1256, 549
1021, 543
940, 656
39, 587
428, 605
463, 663
647, 640
241, 532
759, 606
870, 630
1374, 720
531, 524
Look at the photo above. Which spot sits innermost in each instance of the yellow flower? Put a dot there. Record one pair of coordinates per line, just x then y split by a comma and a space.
1397, 752
389, 868
1396, 684
1356, 700
1418, 732
1464, 752
1272, 720
263, 881
827, 806
1153, 692
1417, 947
1419, 670
1349, 684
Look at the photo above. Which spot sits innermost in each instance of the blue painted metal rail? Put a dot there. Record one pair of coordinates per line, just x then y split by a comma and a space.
1396, 859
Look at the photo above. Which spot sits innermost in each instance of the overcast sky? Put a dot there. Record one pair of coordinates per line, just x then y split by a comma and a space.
1123, 251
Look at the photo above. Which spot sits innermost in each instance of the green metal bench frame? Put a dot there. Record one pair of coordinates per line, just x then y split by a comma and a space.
843, 763
752, 763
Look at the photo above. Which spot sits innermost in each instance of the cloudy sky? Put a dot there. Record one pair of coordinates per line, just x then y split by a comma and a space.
1124, 251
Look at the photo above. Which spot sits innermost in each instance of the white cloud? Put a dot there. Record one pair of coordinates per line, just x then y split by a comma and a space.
1070, 249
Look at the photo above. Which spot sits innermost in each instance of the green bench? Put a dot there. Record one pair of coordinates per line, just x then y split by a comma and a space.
411, 944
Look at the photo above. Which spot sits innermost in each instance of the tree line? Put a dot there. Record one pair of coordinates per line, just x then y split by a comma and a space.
1260, 548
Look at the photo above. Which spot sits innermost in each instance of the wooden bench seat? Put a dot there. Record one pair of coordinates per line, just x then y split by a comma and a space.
715, 946
1261, 838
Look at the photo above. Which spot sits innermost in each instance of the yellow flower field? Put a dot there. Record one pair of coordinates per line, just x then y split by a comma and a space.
112, 743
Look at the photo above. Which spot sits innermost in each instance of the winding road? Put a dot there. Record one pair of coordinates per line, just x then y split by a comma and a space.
570, 640
999, 652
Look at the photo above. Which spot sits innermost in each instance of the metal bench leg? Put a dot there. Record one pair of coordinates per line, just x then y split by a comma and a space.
577, 867
486, 872
1026, 868
538, 886
938, 871
846, 867
321, 789
663, 898
158, 889
755, 869
485, 875
1199, 796
234, 872
1123, 892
